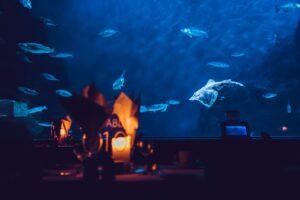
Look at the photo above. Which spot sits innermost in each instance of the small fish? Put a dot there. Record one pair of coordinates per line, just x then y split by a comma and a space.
37, 109
23, 57
35, 48
269, 95
108, 33
26, 4
119, 83
173, 102
194, 32
49, 77
28, 91
218, 64
48, 22
63, 93
288, 108
238, 54
154, 108
62, 55
44, 124
287, 7
139, 171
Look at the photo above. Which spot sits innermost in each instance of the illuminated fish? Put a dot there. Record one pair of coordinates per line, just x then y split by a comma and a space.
108, 33
238, 54
62, 55
208, 94
26, 4
28, 91
154, 108
173, 102
63, 93
48, 22
288, 7
119, 83
269, 95
35, 48
44, 124
37, 109
218, 64
288, 108
23, 57
49, 77
194, 32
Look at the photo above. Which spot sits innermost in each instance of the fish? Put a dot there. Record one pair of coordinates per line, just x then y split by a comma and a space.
62, 55
154, 108
63, 93
287, 7
289, 108
26, 4
45, 124
48, 22
37, 109
218, 64
23, 57
237, 54
28, 91
49, 77
208, 94
35, 48
269, 95
194, 32
119, 83
108, 33
173, 102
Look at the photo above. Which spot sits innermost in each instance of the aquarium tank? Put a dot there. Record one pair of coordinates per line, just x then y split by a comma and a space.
189, 61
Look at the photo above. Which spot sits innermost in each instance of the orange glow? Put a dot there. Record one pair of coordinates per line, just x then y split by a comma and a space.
121, 148
64, 173
140, 144
154, 167
127, 110
65, 128
96, 96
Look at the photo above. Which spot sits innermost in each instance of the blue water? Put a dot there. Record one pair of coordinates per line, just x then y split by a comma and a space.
162, 63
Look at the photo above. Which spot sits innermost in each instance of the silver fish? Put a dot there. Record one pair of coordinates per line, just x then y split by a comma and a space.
119, 83
49, 77
63, 93
62, 55
108, 33
28, 91
208, 94
194, 32
23, 57
35, 48
26, 4
288, 108
48, 22
44, 124
218, 64
269, 95
238, 54
37, 109
173, 102
154, 108
288, 7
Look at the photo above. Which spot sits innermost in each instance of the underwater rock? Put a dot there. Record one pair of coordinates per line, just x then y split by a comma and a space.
12, 108
208, 94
